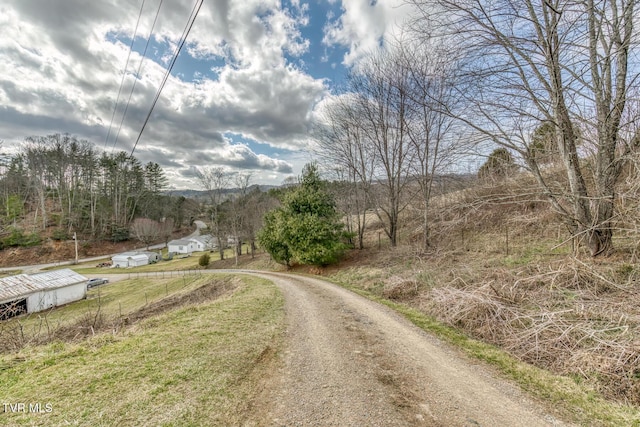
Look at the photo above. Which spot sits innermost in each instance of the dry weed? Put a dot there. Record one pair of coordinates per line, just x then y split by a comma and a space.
572, 318
400, 289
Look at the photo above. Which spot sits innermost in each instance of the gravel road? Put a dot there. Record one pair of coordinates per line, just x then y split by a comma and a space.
351, 362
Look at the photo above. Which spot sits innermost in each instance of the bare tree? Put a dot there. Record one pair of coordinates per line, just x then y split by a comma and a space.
393, 133
380, 85
214, 180
238, 217
146, 230
165, 229
35, 158
341, 145
432, 131
559, 62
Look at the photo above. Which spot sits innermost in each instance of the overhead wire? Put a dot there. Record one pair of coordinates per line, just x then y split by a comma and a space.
183, 39
135, 81
124, 74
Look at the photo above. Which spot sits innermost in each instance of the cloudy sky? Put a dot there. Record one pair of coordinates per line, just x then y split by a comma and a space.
241, 95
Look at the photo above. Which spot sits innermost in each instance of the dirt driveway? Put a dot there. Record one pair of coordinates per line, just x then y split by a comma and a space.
351, 362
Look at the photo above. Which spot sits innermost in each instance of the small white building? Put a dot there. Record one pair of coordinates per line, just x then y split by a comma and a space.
30, 293
130, 259
153, 257
181, 246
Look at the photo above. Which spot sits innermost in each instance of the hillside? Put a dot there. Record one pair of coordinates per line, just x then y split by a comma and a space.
192, 358
504, 270
501, 270
52, 251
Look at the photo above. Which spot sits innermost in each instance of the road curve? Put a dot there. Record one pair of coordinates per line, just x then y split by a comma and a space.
349, 361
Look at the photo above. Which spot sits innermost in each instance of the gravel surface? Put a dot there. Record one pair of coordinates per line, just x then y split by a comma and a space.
352, 362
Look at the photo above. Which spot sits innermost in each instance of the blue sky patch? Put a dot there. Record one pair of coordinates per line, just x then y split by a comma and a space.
187, 68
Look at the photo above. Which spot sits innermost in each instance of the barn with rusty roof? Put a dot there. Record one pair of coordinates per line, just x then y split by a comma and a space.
30, 293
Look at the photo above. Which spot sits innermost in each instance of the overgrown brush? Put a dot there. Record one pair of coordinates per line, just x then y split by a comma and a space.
573, 318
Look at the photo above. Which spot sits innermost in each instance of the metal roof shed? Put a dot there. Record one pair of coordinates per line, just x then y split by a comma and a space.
130, 259
42, 290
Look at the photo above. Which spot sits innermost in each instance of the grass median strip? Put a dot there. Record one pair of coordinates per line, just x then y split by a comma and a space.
194, 365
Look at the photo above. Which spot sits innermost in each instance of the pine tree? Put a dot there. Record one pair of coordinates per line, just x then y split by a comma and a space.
306, 228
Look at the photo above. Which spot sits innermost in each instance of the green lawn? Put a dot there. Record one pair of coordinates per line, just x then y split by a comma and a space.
193, 366
113, 300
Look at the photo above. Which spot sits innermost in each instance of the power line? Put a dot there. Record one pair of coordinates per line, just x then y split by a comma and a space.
135, 81
185, 34
124, 73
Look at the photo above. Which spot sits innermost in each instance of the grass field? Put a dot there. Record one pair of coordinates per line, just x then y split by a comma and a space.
193, 365
105, 303
178, 263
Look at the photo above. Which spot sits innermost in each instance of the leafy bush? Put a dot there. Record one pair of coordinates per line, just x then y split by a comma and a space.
119, 234
15, 238
204, 260
273, 237
60, 234
18, 238
32, 239
499, 164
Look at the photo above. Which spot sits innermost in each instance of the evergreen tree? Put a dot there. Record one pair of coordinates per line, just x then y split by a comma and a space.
499, 165
306, 227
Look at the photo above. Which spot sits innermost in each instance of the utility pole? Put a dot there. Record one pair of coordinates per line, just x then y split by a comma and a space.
75, 240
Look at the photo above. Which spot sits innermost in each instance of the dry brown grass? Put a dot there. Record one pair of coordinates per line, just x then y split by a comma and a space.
503, 269
573, 319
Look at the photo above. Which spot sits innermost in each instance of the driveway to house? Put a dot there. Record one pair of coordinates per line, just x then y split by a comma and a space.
348, 361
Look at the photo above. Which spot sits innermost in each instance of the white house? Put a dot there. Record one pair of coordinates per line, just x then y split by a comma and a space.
30, 293
130, 259
205, 242
181, 246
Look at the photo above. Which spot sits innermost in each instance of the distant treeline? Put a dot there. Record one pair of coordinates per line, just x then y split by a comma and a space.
62, 183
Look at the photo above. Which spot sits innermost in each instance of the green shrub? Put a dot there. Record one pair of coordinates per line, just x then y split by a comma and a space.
204, 260
60, 234
119, 234
15, 238
307, 227
18, 238
32, 239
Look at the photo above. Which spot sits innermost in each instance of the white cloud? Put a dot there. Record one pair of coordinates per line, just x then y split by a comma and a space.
59, 72
363, 26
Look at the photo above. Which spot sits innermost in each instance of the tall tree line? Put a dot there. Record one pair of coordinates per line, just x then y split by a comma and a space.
568, 67
67, 183
390, 134
551, 79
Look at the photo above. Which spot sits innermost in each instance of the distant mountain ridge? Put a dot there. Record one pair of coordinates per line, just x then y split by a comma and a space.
198, 194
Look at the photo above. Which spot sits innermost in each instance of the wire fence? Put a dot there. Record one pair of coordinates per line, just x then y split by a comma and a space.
165, 274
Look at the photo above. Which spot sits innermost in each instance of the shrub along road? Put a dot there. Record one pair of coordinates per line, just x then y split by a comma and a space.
348, 361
